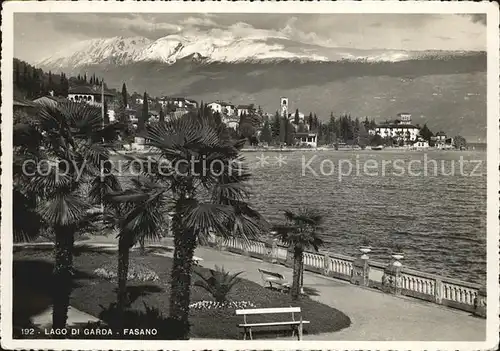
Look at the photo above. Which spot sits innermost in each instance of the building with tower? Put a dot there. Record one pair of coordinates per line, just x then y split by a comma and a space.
404, 118
284, 107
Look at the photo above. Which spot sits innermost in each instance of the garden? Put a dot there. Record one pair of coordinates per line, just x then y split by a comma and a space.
73, 189
94, 292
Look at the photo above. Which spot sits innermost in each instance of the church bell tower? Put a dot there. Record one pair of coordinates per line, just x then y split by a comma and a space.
284, 107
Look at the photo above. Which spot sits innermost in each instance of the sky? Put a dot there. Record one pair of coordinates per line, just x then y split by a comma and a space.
38, 35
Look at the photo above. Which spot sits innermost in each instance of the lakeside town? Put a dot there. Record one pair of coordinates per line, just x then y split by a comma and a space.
284, 128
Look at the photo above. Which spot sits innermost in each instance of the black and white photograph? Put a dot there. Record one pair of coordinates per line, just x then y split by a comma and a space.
238, 175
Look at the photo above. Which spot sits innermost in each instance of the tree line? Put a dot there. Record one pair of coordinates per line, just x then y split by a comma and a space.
341, 129
31, 82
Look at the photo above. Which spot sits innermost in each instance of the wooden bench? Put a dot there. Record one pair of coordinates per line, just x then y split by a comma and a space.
197, 260
271, 278
296, 325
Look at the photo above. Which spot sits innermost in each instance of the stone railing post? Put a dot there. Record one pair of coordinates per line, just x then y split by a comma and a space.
219, 243
274, 251
289, 257
245, 245
326, 263
268, 253
480, 303
391, 280
438, 291
361, 268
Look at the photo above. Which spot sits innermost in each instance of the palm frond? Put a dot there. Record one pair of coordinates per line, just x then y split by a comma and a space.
144, 219
100, 187
64, 210
301, 229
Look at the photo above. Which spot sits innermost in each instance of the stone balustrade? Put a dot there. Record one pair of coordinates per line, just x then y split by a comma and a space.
394, 279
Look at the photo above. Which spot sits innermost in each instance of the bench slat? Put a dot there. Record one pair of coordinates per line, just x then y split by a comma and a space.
268, 310
271, 324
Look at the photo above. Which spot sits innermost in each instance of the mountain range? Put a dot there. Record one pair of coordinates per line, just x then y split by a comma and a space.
445, 89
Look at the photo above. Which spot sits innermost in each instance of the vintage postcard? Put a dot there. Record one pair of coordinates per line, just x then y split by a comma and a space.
236, 175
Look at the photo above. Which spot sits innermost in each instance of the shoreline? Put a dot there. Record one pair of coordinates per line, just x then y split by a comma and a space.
281, 150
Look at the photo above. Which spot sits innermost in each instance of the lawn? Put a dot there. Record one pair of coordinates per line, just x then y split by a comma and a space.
91, 293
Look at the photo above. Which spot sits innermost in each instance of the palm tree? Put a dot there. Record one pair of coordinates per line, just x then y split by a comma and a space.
300, 232
136, 213
203, 173
71, 143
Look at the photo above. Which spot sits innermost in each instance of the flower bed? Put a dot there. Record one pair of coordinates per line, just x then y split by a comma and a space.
211, 305
138, 272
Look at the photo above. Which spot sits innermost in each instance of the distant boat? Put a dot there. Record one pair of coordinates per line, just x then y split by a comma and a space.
377, 148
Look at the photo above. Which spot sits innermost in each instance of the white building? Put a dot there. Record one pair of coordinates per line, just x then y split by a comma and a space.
215, 106
401, 129
224, 108
406, 132
404, 118
310, 139
178, 102
421, 144
243, 109
89, 94
231, 121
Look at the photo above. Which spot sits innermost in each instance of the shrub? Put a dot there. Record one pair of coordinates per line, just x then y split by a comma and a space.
218, 284
149, 319
138, 272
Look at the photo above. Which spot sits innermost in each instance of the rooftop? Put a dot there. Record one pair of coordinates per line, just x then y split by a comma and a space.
50, 97
222, 103
89, 90
397, 125
23, 103
300, 134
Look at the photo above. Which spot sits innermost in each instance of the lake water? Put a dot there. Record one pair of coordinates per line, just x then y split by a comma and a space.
437, 215
438, 219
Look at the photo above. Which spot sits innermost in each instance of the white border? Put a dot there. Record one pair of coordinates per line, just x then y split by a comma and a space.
489, 8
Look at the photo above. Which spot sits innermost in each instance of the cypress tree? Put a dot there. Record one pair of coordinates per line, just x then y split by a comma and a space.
276, 126
296, 117
50, 86
162, 115
265, 135
145, 114
106, 116
124, 95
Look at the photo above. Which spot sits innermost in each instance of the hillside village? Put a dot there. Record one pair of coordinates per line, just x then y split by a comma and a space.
282, 127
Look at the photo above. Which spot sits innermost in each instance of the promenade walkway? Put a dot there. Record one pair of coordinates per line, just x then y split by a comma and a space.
375, 316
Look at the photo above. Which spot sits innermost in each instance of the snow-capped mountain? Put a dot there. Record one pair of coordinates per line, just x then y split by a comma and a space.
117, 50
206, 48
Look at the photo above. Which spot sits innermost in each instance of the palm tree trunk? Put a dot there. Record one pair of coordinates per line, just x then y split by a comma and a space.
63, 269
297, 265
142, 247
302, 274
185, 244
123, 262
